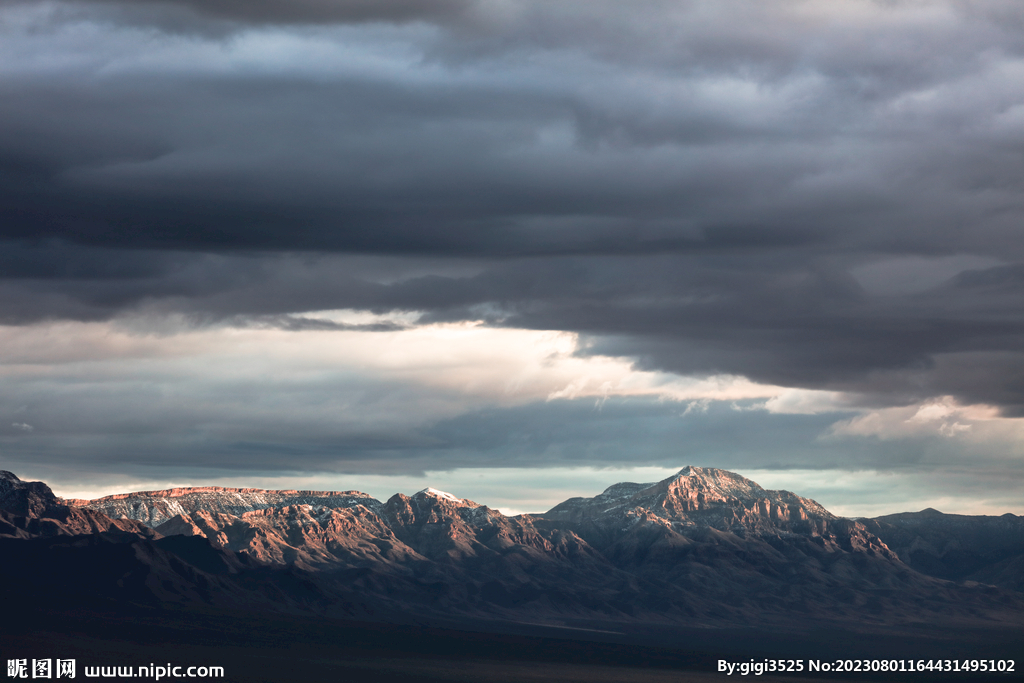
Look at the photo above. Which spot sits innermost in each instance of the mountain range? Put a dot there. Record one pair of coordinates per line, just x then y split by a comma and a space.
704, 547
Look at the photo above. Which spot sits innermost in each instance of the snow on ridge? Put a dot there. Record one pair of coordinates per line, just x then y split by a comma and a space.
436, 493
152, 508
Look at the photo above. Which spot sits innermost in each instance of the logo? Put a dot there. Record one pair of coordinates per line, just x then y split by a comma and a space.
41, 668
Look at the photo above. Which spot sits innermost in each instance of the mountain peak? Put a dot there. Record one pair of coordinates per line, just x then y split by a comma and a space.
438, 494
701, 496
28, 498
726, 483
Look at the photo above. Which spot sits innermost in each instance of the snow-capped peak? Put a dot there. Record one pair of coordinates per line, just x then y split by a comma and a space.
440, 494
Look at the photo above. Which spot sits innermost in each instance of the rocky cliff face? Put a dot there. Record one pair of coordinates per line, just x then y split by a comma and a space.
447, 528
153, 508
26, 498
306, 536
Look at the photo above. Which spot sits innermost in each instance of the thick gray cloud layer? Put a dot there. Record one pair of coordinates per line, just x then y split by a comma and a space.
822, 195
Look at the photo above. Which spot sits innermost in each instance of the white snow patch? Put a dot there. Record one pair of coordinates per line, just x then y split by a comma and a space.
440, 494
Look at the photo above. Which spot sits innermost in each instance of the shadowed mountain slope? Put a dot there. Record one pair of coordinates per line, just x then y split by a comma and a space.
957, 547
29, 509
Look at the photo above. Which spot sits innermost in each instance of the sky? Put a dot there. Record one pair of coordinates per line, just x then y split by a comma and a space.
518, 250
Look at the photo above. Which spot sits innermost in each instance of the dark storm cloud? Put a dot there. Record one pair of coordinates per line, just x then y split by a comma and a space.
322, 11
693, 184
228, 16
709, 127
779, 321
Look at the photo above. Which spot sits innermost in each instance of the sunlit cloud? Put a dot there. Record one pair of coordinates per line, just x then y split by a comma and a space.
472, 360
942, 417
809, 402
